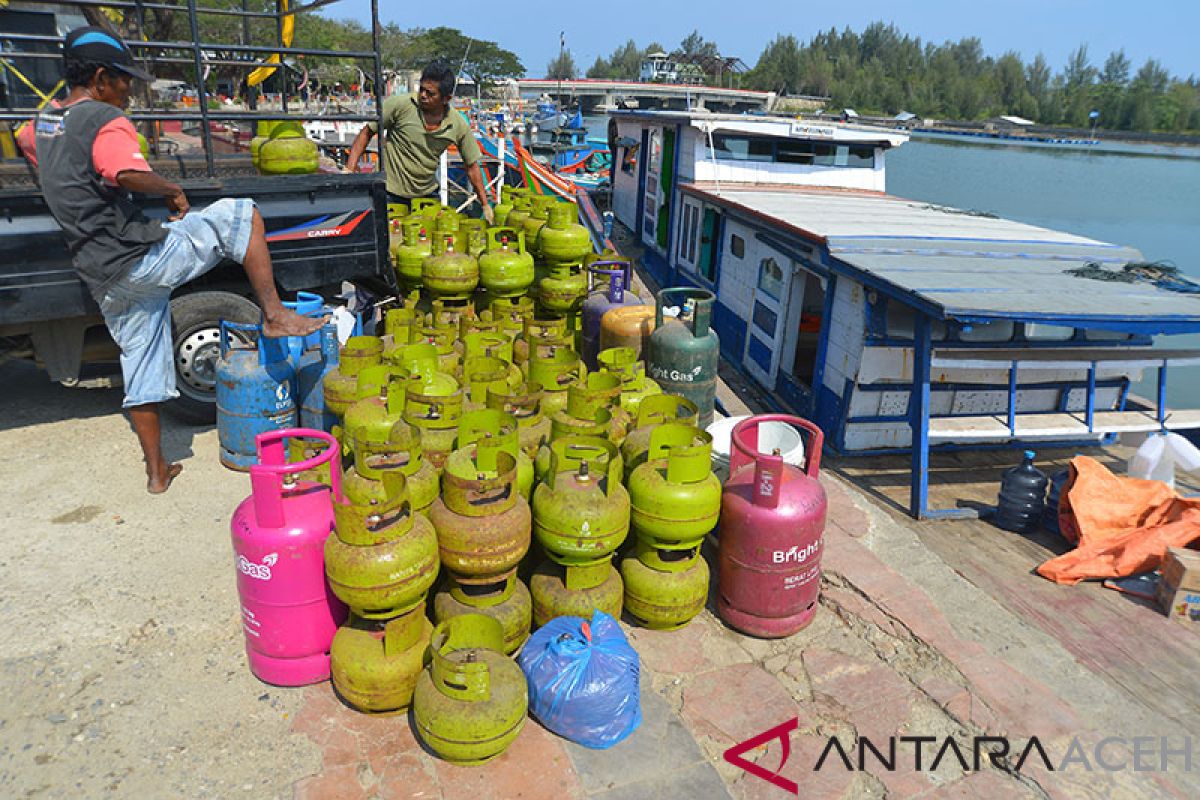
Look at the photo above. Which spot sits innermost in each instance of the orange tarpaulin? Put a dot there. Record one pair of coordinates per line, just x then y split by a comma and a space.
1121, 526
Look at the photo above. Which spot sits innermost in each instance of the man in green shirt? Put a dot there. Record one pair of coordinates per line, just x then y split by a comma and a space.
419, 129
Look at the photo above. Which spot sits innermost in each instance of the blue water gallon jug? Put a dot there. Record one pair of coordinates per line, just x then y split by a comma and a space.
1022, 496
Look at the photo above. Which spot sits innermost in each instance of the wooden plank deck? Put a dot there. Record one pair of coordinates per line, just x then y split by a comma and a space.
1126, 641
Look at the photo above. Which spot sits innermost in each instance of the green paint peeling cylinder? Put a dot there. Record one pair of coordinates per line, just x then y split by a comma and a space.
384, 557
539, 333
674, 497
555, 370
434, 404
665, 599
593, 409
388, 445
495, 428
476, 235
581, 510
635, 386
539, 213
524, 403
341, 383
506, 601
375, 664
471, 702
575, 591
653, 411
482, 522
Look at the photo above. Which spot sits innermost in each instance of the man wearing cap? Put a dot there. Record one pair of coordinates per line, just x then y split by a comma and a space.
89, 161
419, 128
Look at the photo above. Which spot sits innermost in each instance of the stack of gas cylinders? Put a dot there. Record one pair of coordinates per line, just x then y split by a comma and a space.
499, 460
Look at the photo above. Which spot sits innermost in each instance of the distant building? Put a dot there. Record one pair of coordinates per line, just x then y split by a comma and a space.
1008, 124
662, 68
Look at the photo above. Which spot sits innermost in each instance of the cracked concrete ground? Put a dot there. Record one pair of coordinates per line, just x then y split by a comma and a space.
124, 670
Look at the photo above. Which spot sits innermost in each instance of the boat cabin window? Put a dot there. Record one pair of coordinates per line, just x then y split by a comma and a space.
902, 323
1000, 330
737, 246
770, 277
629, 159
732, 147
1040, 332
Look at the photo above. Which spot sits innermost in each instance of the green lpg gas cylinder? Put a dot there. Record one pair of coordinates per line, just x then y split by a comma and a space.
635, 386
434, 404
562, 239
587, 397
524, 403
409, 256
506, 268
471, 702
581, 510
511, 313
669, 598
291, 156
398, 325
384, 558
341, 384
493, 343
555, 370
479, 373
442, 338
374, 664
522, 206
482, 521
498, 429
475, 231
449, 271
575, 591
564, 287
425, 207
539, 213
538, 333
675, 499
654, 411
506, 601
502, 209
683, 354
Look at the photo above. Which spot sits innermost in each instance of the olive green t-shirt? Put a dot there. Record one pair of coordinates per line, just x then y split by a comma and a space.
410, 156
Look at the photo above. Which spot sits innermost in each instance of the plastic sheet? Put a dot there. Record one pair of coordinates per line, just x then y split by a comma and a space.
583, 680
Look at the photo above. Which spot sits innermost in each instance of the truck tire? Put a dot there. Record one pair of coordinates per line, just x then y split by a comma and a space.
195, 339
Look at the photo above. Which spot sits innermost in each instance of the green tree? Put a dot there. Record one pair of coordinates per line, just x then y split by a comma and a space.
696, 45
779, 67
562, 67
1116, 69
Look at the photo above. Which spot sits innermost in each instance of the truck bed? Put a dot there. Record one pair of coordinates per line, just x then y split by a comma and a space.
321, 230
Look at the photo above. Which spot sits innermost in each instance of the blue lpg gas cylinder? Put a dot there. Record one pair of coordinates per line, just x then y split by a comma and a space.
315, 364
306, 304
254, 391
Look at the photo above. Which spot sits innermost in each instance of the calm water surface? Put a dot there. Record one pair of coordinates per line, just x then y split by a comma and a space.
1134, 197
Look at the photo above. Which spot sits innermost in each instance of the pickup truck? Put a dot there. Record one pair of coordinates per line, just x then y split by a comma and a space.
322, 230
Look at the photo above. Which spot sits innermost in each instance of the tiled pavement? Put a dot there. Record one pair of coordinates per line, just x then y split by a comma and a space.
879, 660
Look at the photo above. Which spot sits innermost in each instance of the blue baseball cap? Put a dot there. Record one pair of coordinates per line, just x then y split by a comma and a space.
93, 45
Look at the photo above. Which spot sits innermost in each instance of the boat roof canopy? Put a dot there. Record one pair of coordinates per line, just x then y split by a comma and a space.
964, 266
767, 125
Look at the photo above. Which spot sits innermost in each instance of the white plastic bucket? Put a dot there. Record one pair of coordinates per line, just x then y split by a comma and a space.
771, 435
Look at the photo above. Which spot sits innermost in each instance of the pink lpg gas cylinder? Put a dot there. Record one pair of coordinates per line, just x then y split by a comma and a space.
289, 615
772, 526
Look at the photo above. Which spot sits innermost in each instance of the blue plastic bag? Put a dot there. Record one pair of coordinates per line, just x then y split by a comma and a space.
583, 680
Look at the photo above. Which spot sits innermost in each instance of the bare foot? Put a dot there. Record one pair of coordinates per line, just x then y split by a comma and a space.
161, 484
289, 323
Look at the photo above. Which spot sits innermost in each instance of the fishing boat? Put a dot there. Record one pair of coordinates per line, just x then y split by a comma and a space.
896, 325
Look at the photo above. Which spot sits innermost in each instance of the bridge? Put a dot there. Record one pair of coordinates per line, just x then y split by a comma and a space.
606, 94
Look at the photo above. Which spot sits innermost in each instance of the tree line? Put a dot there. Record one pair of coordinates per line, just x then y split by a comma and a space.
884, 71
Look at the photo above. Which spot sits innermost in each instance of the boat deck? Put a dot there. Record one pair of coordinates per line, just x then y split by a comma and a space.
1127, 641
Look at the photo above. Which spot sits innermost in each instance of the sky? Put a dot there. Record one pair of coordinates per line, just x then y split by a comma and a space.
1167, 30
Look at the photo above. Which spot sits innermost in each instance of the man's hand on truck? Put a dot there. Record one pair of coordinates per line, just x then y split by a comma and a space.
150, 183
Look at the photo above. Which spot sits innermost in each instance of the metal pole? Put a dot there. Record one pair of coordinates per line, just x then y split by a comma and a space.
251, 92
378, 83
919, 419
500, 169
201, 93
282, 71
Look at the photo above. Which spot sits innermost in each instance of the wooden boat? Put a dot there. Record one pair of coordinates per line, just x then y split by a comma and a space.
895, 325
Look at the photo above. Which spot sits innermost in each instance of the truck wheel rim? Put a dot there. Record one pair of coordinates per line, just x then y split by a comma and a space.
196, 356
